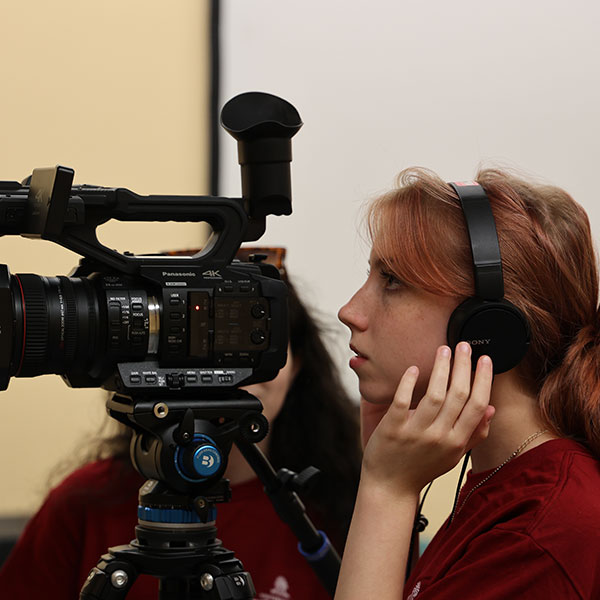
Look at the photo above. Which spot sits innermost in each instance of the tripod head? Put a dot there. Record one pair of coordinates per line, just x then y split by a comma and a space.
182, 445
185, 441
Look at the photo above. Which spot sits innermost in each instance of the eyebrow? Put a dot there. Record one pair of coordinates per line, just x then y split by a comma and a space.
376, 262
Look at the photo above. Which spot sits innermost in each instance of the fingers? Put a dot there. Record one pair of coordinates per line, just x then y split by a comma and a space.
403, 396
460, 386
469, 420
433, 401
459, 408
482, 430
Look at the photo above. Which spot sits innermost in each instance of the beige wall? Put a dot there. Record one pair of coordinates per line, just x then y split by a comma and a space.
118, 91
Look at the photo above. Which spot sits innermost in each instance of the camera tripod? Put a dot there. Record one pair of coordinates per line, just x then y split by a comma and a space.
182, 445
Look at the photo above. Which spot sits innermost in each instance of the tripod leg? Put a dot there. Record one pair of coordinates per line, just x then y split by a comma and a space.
110, 579
174, 588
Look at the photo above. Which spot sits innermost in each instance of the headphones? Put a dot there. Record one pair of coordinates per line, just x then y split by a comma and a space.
489, 323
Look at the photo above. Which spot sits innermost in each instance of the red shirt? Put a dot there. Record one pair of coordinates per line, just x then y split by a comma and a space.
94, 509
531, 532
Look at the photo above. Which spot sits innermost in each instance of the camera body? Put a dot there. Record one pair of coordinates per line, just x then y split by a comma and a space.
180, 326
159, 325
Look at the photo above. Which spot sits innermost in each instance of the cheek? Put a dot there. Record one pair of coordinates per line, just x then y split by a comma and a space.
412, 341
431, 333
424, 373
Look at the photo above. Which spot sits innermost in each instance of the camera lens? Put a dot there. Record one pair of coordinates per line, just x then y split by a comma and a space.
56, 324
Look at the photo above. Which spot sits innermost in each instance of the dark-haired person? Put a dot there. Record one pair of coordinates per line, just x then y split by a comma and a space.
526, 524
95, 507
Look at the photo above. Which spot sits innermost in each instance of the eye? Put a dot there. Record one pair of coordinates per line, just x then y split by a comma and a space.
390, 280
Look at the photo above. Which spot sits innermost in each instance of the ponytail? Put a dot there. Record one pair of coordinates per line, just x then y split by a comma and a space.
570, 395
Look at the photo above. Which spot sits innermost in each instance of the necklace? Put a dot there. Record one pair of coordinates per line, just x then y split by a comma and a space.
516, 453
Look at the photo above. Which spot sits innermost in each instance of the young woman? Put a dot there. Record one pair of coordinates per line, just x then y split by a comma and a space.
95, 507
527, 522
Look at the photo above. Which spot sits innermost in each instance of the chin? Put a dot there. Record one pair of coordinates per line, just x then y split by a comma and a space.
375, 395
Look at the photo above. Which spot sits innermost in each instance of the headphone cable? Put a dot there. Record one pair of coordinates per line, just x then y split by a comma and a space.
419, 526
460, 479
420, 520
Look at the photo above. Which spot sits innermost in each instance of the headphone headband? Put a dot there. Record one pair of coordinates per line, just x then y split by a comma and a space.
491, 324
481, 226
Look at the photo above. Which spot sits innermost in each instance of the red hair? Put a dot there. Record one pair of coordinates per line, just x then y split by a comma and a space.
550, 273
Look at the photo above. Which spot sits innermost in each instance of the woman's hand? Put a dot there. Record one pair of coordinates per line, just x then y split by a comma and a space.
408, 448
370, 416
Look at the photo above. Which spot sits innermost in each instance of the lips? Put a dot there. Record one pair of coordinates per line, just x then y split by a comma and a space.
357, 360
357, 352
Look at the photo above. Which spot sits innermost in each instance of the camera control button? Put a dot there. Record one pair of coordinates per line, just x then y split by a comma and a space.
137, 322
114, 313
135, 379
191, 378
150, 378
176, 316
245, 358
258, 336
206, 378
258, 311
175, 380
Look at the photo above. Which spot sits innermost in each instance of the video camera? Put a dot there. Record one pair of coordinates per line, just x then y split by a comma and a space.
158, 324
174, 337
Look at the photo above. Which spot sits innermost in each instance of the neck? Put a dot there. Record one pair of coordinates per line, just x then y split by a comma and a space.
517, 417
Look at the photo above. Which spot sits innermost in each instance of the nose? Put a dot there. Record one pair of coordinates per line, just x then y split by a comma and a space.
352, 314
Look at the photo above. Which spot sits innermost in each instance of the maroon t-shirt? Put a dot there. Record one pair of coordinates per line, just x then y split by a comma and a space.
531, 532
95, 508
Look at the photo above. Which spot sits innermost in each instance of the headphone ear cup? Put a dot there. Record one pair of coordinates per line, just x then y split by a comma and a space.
495, 328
